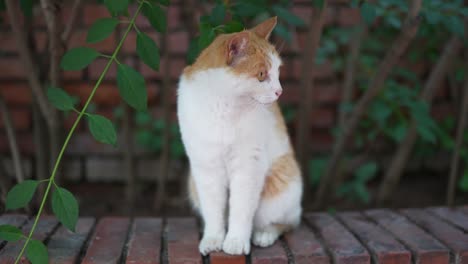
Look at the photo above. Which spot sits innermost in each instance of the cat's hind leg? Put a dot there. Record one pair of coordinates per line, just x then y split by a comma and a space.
277, 215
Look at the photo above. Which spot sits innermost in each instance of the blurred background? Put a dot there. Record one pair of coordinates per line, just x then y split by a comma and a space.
375, 99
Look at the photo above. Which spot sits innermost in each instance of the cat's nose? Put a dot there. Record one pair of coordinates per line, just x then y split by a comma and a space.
279, 92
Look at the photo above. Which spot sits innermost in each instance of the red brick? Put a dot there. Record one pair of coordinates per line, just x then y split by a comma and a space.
8, 41
97, 67
326, 93
292, 70
344, 247
65, 246
144, 244
384, 248
223, 258
173, 17
16, 93
274, 254
108, 241
182, 240
348, 16
305, 248
424, 247
13, 219
107, 94
44, 227
455, 216
11, 68
178, 42
320, 141
454, 238
25, 143
443, 110
21, 119
322, 118
93, 12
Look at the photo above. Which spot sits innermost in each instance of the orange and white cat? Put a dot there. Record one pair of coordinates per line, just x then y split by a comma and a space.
241, 160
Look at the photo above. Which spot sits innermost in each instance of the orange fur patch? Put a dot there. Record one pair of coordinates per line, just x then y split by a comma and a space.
282, 171
254, 59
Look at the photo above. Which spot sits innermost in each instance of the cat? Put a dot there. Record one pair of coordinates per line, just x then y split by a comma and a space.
242, 165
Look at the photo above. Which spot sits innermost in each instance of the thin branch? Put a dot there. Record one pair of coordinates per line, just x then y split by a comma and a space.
74, 15
307, 82
393, 174
458, 145
27, 59
376, 85
351, 66
51, 10
12, 141
165, 158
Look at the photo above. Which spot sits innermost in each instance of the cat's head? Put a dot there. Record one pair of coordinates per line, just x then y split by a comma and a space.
249, 57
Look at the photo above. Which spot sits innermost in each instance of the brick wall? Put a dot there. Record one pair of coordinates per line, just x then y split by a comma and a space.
94, 161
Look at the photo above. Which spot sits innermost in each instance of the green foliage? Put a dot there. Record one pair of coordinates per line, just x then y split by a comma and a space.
356, 188
27, 7
117, 7
78, 58
240, 12
132, 87
65, 207
37, 252
316, 169
101, 29
60, 99
21, 194
148, 51
10, 233
102, 129
156, 16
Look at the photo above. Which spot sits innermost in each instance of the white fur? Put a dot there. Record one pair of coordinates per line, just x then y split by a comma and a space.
231, 141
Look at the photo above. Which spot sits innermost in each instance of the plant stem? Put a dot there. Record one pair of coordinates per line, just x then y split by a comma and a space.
75, 124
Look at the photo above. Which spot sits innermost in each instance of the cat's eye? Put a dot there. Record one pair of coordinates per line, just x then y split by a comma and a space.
261, 76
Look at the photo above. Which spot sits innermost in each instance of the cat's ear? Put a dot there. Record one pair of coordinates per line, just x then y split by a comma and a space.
236, 46
265, 28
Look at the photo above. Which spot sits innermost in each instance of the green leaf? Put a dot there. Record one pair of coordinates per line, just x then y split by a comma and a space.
287, 16
366, 171
27, 7
148, 51
164, 2
102, 129
10, 233
463, 184
316, 169
193, 51
142, 118
207, 35
156, 16
455, 25
36, 252
101, 29
283, 32
78, 58
65, 207
233, 26
132, 88
318, 3
368, 12
217, 14
21, 194
361, 193
60, 99
116, 7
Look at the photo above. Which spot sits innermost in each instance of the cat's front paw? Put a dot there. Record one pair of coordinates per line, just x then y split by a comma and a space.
211, 243
236, 246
